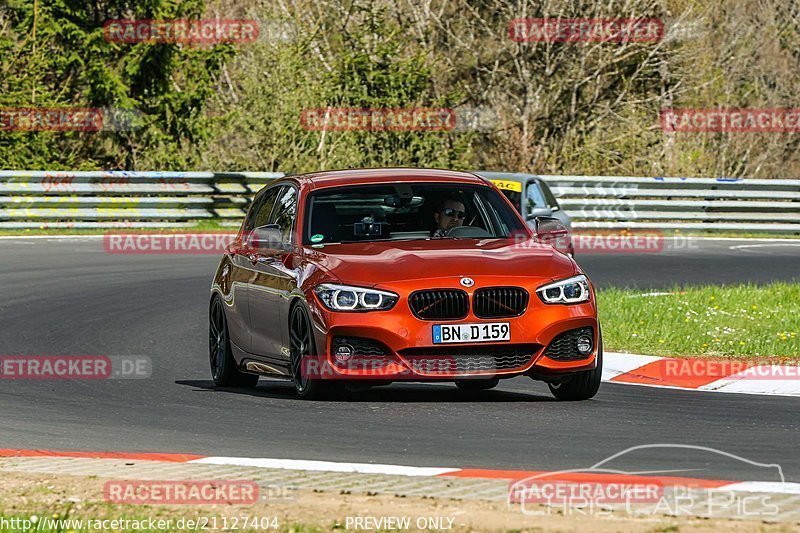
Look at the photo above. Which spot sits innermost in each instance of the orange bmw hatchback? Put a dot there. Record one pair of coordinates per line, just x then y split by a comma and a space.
385, 275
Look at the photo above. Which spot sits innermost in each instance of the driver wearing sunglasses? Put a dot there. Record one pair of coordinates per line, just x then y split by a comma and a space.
449, 214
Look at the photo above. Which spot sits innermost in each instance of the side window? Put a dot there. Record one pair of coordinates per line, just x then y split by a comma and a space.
548, 194
259, 215
535, 195
285, 209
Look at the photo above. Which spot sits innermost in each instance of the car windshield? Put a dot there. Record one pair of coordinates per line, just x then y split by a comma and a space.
513, 196
535, 196
403, 211
512, 190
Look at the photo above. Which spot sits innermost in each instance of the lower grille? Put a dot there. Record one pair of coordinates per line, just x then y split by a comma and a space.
439, 304
469, 359
366, 353
564, 347
361, 345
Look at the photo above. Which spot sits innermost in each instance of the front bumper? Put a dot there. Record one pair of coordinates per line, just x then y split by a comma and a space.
395, 345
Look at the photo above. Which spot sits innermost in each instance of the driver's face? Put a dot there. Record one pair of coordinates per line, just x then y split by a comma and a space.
451, 215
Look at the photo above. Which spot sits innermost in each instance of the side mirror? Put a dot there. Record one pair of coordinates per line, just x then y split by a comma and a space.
548, 229
266, 237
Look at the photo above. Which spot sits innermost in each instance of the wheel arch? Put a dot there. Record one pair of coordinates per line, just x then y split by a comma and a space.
314, 314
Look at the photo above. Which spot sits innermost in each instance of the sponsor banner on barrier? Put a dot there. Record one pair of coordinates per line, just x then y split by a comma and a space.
111, 183
742, 120
140, 492
202, 31
149, 243
583, 30
74, 367
58, 182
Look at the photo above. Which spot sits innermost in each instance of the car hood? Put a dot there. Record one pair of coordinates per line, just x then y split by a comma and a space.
370, 264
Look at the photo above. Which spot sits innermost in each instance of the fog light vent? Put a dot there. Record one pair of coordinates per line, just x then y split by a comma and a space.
573, 344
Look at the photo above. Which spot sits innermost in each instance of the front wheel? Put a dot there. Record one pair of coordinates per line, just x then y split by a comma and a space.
302, 357
223, 365
583, 385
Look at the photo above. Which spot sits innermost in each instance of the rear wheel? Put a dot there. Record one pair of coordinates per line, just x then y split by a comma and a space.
223, 366
477, 384
302, 349
583, 385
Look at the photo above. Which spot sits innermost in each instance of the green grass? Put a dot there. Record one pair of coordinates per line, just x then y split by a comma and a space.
714, 321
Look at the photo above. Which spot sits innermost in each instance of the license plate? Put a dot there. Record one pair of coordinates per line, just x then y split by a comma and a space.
483, 332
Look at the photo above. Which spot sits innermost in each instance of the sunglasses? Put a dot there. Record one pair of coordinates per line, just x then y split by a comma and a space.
450, 212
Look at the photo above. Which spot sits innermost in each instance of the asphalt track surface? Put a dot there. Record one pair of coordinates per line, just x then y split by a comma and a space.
69, 297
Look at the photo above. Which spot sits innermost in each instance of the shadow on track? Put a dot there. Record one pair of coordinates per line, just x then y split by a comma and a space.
397, 392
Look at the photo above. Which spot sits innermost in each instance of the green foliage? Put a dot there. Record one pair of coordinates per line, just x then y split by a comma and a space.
574, 108
70, 64
371, 67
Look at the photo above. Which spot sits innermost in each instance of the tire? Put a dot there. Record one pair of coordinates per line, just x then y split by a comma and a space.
477, 384
583, 385
302, 345
223, 366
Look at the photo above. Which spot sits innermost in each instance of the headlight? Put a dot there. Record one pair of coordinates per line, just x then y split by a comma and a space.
347, 298
569, 291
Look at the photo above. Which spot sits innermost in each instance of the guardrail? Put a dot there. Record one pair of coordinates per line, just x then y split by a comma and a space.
44, 199
113, 199
610, 202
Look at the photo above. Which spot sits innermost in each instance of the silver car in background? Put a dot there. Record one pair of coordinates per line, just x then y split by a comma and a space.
533, 198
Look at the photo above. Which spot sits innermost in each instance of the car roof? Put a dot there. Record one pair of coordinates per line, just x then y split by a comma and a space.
507, 176
364, 176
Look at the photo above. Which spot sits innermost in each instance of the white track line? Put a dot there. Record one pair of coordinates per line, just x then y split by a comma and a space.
762, 486
749, 247
413, 471
327, 466
617, 364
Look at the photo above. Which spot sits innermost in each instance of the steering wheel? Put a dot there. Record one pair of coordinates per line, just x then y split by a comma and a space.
468, 232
